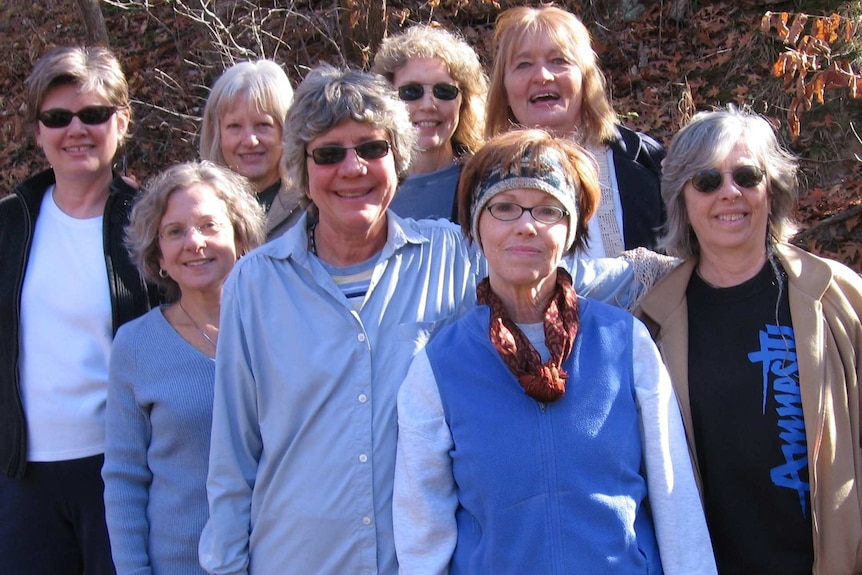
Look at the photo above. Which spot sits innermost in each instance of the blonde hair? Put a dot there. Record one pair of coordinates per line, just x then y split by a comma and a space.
264, 85
427, 41
512, 29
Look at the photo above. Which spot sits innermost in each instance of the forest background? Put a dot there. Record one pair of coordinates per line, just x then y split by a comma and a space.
797, 62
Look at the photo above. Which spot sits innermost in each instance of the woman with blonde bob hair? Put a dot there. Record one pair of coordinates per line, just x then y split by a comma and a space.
243, 123
439, 77
187, 230
546, 75
539, 433
763, 342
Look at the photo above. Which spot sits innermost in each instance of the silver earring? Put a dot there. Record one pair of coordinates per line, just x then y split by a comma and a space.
163, 274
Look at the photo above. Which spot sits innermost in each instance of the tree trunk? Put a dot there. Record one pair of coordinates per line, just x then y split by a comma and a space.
679, 10
94, 22
363, 25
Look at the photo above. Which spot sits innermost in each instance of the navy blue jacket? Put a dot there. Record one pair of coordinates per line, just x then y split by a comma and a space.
637, 163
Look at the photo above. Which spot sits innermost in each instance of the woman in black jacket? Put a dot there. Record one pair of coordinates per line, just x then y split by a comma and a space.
546, 75
66, 285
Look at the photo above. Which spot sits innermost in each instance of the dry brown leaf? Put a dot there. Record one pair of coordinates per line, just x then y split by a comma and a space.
796, 28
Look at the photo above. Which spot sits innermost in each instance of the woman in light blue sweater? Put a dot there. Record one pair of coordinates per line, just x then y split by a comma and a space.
186, 231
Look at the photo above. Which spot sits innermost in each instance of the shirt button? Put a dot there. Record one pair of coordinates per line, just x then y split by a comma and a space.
361, 337
366, 521
363, 458
363, 398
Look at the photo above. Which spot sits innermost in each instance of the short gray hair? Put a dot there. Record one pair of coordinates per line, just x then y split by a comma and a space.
330, 96
705, 142
142, 233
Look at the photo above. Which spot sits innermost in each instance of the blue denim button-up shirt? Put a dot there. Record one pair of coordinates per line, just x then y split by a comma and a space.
304, 425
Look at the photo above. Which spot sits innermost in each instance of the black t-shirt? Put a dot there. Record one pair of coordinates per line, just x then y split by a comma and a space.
748, 427
266, 196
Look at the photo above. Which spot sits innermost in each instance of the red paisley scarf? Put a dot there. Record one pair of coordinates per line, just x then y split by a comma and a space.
544, 382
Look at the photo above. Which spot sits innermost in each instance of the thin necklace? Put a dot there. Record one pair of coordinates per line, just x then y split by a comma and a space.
194, 323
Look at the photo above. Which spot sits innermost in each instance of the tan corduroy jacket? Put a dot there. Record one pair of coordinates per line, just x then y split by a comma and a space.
825, 305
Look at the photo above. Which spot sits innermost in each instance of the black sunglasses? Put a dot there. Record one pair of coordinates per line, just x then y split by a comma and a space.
440, 90
91, 115
707, 181
329, 155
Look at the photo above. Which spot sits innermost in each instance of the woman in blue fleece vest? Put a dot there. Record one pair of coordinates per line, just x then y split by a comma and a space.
540, 433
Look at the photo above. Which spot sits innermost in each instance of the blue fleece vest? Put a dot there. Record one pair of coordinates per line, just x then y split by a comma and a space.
546, 488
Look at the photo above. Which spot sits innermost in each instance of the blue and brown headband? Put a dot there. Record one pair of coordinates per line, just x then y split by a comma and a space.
545, 173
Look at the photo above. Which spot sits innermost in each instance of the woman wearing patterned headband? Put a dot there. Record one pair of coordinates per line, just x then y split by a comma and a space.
554, 444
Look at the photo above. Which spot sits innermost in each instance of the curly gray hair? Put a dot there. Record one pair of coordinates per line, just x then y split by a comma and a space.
330, 96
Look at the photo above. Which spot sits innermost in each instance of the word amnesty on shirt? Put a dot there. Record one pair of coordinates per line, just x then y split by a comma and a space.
780, 367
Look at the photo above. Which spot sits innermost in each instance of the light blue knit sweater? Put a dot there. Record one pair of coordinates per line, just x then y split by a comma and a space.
159, 414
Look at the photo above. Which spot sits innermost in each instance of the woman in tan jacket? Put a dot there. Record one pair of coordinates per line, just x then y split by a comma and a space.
762, 341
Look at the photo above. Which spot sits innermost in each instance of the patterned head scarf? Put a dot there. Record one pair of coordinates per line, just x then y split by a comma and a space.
544, 173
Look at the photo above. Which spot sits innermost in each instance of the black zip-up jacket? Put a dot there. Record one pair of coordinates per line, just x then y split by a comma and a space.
130, 295
637, 162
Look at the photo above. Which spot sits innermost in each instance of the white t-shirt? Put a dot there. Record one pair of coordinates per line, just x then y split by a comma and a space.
65, 337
